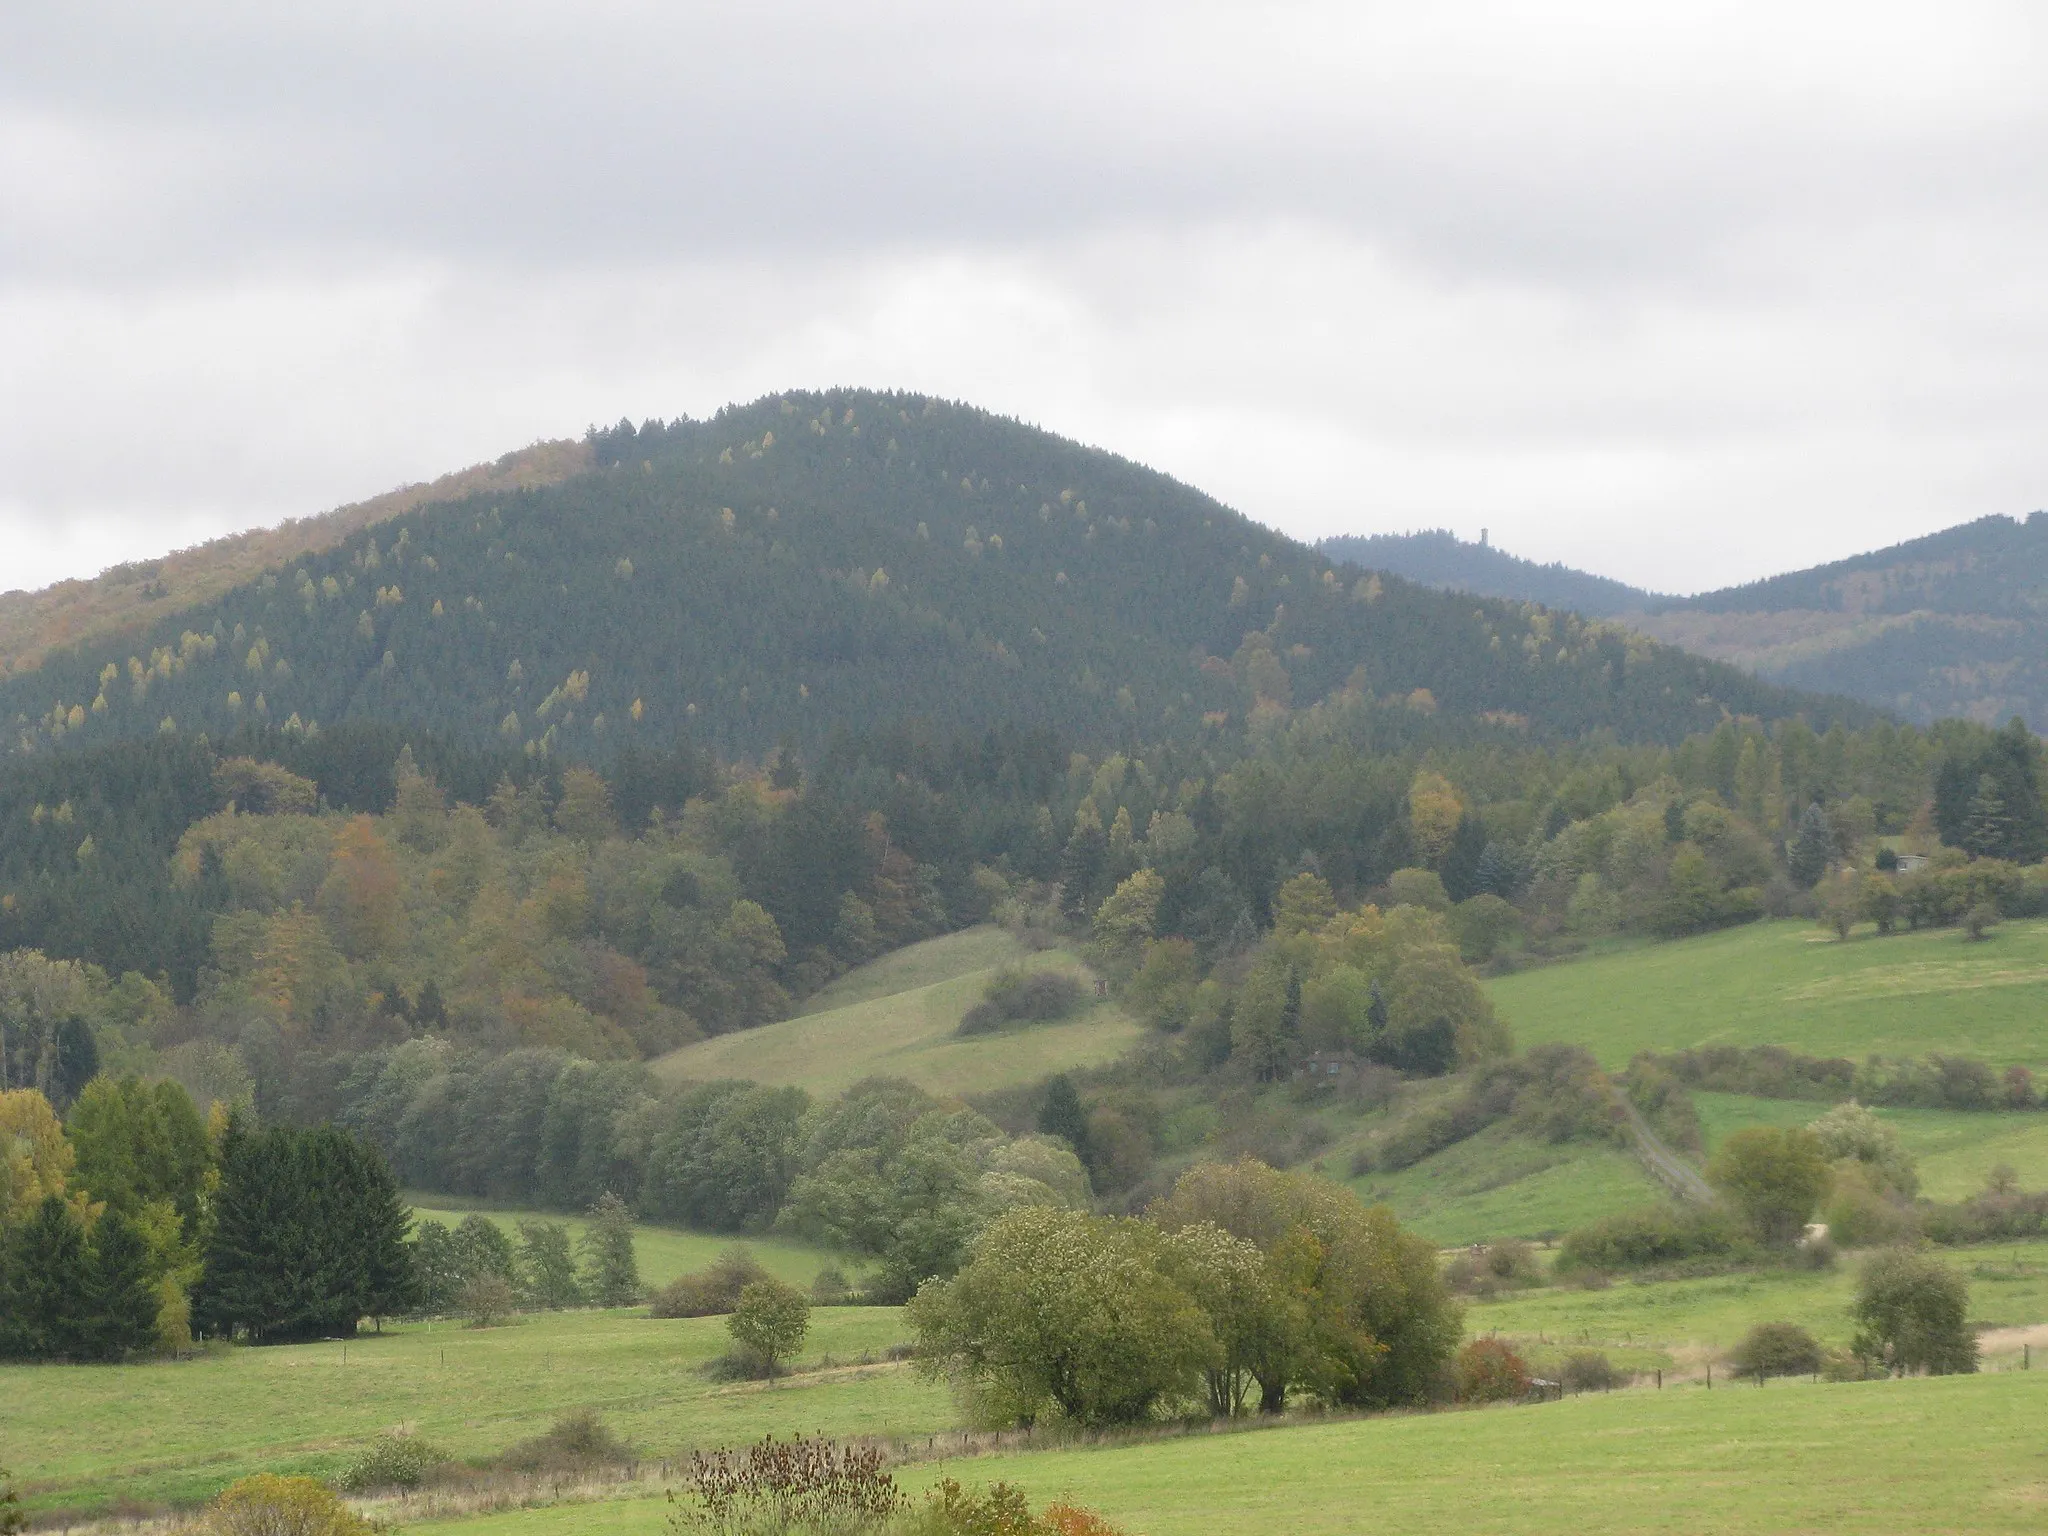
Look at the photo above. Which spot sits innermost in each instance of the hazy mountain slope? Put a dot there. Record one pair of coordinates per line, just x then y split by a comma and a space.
125, 598
1439, 558
809, 563
1954, 624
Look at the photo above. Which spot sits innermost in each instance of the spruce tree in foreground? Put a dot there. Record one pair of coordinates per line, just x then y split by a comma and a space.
308, 1239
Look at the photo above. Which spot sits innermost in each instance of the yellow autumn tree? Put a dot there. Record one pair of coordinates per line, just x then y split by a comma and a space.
1434, 810
361, 895
35, 1159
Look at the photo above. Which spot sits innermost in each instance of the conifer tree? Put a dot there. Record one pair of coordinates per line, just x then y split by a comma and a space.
44, 1274
120, 1300
1062, 1115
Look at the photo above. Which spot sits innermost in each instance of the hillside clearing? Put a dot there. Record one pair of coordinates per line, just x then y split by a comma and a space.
1787, 983
1500, 1184
896, 1017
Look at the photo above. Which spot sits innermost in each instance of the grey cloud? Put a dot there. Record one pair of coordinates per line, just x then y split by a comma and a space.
1684, 293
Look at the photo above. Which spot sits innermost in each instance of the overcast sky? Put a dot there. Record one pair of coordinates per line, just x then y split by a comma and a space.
1685, 294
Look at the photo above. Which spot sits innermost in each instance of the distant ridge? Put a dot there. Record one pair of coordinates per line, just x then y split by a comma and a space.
1439, 558
1952, 624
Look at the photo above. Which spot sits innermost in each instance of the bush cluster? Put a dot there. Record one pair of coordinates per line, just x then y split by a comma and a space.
711, 1291
575, 1442
1024, 997
1654, 1237
1773, 1072
392, 1461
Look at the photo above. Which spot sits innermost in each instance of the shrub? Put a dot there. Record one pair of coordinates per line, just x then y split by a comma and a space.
392, 1461
1776, 1349
829, 1288
1911, 1315
1588, 1370
11, 1518
486, 1300
770, 1321
800, 1485
1489, 1371
268, 1505
1980, 920
1990, 1218
1857, 1216
1023, 997
1493, 1267
576, 1442
710, 1291
1649, 1238
950, 1510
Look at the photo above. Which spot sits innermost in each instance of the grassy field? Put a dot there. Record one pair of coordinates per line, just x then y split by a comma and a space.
84, 1436
1954, 1150
663, 1252
1788, 983
1681, 1320
1498, 1184
1957, 1454
896, 1017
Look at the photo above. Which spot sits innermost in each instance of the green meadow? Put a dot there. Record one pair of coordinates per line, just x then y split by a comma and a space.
1953, 1454
177, 1432
1677, 1321
1791, 984
897, 1017
663, 1252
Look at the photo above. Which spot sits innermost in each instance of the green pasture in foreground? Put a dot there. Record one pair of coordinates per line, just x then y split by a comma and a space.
1499, 1184
1678, 1320
896, 1017
1951, 1454
1789, 983
83, 1436
1953, 1149
663, 1252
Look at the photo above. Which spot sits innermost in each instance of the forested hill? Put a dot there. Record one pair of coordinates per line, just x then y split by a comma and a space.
1952, 624
814, 562
1439, 558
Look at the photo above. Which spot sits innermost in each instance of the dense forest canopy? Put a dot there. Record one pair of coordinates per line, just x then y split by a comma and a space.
816, 563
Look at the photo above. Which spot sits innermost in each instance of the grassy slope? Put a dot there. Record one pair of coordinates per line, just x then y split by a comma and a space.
895, 1017
1502, 1185
1954, 1454
663, 1252
89, 1434
1786, 983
